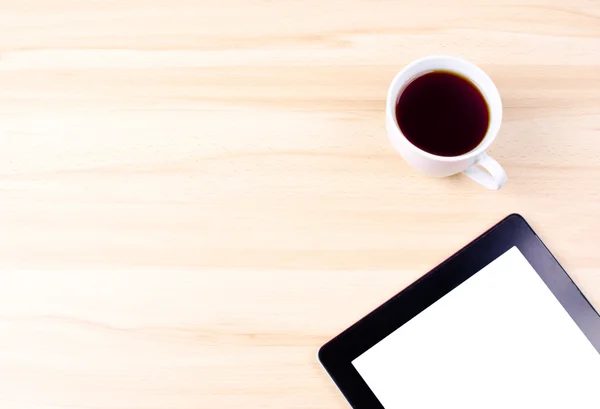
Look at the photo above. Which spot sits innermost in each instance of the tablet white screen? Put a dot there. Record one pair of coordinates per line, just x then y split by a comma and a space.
499, 340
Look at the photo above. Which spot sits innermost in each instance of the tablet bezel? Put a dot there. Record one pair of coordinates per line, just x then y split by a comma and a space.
337, 355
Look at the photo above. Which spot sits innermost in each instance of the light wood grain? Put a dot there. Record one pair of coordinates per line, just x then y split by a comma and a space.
195, 195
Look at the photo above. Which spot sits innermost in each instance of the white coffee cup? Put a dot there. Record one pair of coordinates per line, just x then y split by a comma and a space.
476, 164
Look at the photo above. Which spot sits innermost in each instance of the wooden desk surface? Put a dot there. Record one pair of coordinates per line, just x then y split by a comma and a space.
195, 195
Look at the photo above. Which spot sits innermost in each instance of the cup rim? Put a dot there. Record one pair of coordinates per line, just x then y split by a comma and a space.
391, 104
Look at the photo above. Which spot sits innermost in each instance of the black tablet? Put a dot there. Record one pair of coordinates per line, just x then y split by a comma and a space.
498, 325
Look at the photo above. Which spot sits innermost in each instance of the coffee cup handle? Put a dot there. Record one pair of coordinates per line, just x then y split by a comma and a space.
487, 172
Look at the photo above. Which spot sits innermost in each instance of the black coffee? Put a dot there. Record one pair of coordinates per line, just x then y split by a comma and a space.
443, 113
